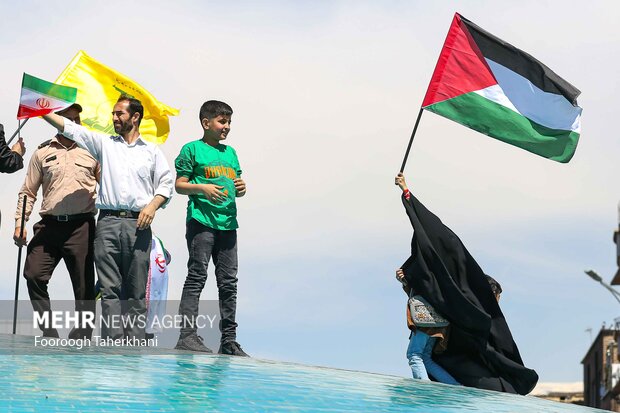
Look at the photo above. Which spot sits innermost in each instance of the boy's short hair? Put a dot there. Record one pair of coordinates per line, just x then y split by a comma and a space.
214, 108
495, 286
134, 106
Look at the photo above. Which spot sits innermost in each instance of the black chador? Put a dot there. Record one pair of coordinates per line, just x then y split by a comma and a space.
9, 160
481, 351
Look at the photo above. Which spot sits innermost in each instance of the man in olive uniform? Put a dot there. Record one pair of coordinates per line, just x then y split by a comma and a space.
68, 175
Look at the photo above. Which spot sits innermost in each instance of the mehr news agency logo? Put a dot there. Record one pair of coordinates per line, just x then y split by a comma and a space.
59, 319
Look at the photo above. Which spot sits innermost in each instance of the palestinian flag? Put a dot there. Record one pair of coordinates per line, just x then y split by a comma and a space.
488, 85
39, 97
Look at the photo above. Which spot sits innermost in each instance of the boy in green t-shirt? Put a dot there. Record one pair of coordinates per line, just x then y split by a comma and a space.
209, 173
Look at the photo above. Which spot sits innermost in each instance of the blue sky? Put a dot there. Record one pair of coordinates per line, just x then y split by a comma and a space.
325, 96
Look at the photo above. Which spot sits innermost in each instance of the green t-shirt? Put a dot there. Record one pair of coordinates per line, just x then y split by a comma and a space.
204, 164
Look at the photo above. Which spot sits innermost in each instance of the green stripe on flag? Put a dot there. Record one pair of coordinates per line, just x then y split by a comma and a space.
66, 93
499, 122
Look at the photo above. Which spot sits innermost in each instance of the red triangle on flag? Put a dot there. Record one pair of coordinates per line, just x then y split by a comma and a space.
461, 67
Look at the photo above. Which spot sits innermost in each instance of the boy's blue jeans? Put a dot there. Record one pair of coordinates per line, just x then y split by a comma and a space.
204, 244
419, 354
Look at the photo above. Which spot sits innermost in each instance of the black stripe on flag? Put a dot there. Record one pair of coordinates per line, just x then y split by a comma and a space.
518, 61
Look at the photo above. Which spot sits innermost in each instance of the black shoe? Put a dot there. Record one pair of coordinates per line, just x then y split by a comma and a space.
232, 348
193, 342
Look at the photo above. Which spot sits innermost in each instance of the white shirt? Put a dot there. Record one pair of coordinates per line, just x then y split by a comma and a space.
131, 175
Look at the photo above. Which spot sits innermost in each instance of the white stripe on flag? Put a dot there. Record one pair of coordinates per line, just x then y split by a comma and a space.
519, 94
29, 99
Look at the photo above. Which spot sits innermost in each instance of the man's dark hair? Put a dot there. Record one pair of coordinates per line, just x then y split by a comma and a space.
495, 286
214, 108
134, 106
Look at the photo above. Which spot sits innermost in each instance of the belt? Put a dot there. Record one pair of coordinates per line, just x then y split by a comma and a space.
118, 213
67, 218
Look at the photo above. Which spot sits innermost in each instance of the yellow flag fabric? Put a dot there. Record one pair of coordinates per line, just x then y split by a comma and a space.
99, 87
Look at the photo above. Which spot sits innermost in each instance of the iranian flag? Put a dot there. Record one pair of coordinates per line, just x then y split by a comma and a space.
488, 85
39, 97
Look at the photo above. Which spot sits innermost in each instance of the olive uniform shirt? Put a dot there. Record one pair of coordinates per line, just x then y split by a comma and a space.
69, 179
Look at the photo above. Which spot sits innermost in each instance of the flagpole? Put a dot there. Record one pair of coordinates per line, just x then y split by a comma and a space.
415, 128
19, 262
21, 125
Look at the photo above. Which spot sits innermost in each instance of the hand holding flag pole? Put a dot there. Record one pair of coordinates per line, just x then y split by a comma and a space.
19, 262
21, 125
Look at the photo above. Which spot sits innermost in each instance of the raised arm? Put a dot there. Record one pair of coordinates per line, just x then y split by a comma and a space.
400, 182
86, 139
56, 121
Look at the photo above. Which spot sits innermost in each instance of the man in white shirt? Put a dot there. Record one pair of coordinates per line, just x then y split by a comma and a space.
135, 182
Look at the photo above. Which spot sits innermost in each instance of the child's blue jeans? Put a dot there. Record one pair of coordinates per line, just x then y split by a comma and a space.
422, 364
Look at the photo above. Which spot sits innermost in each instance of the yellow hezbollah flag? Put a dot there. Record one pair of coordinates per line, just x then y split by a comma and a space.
99, 87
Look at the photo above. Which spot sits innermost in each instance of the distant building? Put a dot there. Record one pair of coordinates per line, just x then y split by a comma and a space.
601, 372
601, 365
560, 392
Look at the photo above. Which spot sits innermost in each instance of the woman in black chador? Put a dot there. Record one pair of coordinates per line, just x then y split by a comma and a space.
481, 352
